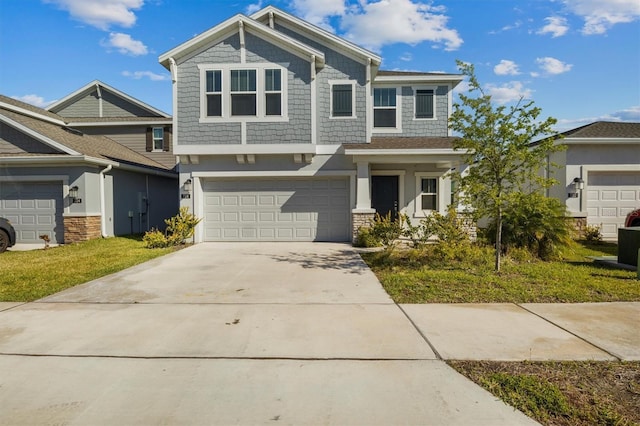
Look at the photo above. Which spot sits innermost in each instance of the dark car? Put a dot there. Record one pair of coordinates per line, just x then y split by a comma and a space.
633, 218
7, 234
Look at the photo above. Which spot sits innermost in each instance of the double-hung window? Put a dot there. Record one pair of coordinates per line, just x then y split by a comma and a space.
158, 138
243, 92
384, 107
429, 199
213, 92
342, 99
273, 91
424, 103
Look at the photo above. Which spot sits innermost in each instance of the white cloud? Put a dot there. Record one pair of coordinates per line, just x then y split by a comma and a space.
125, 44
253, 7
318, 11
34, 100
101, 13
599, 16
509, 92
506, 67
553, 66
629, 115
378, 23
138, 75
406, 56
556, 26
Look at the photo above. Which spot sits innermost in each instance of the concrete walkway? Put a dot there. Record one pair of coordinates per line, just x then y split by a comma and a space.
265, 333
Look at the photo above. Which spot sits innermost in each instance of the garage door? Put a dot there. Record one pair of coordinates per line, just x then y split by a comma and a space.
610, 196
277, 210
34, 209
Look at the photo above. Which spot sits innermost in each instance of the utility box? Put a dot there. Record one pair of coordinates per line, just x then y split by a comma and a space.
628, 245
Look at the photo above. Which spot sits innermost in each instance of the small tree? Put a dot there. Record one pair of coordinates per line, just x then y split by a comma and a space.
501, 158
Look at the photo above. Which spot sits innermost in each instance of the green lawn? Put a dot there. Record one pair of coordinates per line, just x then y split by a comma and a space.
29, 275
411, 276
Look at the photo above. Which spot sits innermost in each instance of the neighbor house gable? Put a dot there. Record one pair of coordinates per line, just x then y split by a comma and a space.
99, 100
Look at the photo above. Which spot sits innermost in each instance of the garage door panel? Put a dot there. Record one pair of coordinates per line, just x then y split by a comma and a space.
611, 195
279, 209
34, 208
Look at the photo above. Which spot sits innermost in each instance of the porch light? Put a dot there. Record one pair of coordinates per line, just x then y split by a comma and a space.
73, 195
578, 184
187, 186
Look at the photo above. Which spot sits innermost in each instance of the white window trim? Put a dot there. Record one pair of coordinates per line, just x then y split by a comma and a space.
435, 102
398, 128
353, 99
441, 202
153, 138
261, 102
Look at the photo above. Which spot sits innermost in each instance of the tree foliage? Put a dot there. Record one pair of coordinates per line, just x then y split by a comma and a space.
502, 160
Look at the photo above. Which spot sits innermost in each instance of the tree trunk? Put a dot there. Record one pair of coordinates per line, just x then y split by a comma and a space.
498, 240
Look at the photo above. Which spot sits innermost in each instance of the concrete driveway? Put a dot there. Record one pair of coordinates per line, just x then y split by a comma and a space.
231, 334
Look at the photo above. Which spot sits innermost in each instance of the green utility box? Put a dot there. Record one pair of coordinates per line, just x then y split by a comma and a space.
628, 245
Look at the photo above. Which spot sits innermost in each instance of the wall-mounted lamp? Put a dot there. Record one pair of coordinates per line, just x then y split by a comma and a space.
73, 195
578, 184
187, 189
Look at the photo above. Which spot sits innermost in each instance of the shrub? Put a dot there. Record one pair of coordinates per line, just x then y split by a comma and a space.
179, 229
592, 233
418, 234
535, 222
386, 230
448, 227
365, 238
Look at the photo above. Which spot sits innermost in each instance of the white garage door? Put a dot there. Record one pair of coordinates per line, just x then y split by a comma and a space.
610, 196
277, 210
34, 209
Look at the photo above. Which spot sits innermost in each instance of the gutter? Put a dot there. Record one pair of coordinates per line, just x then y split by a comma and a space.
103, 202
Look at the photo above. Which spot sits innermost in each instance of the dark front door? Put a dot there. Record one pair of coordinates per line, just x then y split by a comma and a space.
384, 195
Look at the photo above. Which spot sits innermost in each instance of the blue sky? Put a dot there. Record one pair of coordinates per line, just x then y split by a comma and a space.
579, 60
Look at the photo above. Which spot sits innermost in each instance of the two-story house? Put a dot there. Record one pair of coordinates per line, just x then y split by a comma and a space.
286, 132
99, 109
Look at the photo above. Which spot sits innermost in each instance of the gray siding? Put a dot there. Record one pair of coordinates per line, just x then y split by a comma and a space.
337, 67
431, 128
112, 106
191, 131
13, 141
298, 129
134, 138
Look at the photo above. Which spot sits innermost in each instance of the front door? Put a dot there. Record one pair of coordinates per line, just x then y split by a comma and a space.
384, 195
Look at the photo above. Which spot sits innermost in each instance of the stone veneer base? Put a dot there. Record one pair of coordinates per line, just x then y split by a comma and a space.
81, 228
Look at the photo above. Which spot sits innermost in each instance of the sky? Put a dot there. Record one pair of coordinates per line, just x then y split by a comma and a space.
578, 60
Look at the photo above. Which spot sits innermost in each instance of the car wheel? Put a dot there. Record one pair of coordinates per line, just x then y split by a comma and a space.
636, 222
4, 241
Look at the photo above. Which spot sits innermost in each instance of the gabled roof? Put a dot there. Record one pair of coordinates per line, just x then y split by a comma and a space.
50, 129
233, 25
606, 130
318, 34
90, 87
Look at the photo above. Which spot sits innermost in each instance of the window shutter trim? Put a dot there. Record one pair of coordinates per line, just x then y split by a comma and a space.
166, 140
149, 145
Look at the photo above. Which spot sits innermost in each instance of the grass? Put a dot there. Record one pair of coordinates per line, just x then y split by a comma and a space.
563, 393
467, 276
29, 275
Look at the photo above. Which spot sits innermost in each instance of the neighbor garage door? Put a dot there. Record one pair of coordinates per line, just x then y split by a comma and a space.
610, 196
277, 210
34, 209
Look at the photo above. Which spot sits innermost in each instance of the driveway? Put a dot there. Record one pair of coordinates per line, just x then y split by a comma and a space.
290, 333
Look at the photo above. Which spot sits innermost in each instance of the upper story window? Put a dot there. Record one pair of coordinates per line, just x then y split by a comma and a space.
158, 138
385, 108
424, 103
235, 92
343, 96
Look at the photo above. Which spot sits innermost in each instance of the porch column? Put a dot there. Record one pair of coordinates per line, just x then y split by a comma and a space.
363, 187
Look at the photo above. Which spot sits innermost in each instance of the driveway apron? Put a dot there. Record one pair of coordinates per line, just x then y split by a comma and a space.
233, 333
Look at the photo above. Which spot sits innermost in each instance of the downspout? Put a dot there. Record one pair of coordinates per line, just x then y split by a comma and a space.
103, 203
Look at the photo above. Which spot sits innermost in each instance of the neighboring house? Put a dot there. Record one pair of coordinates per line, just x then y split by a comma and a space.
58, 181
287, 132
99, 109
599, 174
